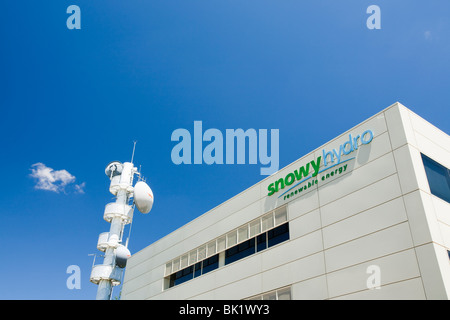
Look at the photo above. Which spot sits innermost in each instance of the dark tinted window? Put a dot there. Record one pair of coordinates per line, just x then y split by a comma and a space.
198, 269
438, 178
181, 276
240, 251
210, 264
261, 242
278, 235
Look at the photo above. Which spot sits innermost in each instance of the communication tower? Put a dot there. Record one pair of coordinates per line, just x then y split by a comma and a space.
118, 214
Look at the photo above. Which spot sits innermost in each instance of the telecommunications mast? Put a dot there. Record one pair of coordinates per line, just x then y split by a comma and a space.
119, 214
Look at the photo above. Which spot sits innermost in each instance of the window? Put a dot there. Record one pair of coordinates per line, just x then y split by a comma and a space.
255, 228
284, 294
181, 276
201, 253
240, 251
232, 238
198, 269
261, 242
278, 235
193, 257
438, 178
267, 222
210, 264
176, 264
184, 261
221, 244
243, 233
279, 294
211, 248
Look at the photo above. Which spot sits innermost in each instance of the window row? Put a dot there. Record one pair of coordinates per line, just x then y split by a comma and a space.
237, 252
193, 271
279, 294
257, 244
232, 238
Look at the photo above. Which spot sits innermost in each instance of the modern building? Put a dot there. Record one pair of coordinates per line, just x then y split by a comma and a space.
365, 216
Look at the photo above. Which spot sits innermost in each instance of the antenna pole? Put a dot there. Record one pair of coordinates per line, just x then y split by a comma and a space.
118, 214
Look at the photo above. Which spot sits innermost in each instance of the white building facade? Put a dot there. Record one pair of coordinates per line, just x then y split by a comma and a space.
365, 216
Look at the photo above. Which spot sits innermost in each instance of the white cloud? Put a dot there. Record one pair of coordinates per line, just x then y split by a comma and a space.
79, 188
53, 180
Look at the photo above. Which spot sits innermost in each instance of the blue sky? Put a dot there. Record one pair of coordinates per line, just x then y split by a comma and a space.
74, 100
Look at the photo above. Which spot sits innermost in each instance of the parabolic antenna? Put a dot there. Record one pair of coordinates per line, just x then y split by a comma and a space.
143, 197
114, 168
122, 255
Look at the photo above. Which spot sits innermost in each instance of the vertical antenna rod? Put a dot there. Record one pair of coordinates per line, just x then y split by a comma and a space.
132, 155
